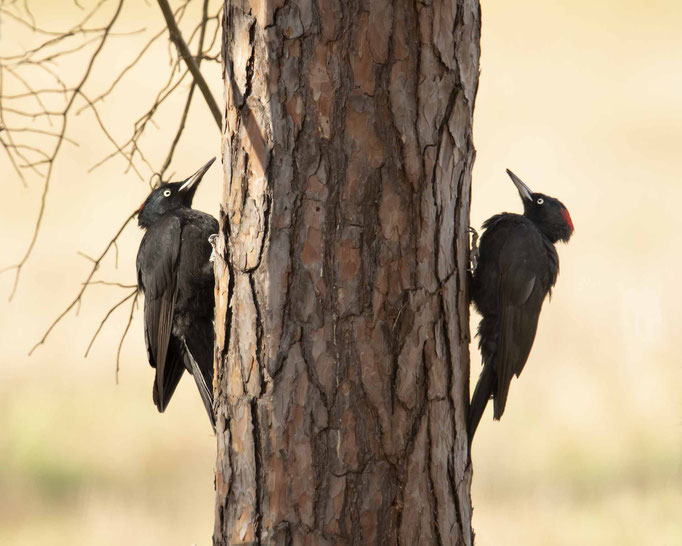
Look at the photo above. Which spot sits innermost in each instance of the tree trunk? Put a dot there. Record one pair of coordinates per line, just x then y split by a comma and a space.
342, 316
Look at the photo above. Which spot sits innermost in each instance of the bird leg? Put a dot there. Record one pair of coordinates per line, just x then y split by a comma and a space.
473, 253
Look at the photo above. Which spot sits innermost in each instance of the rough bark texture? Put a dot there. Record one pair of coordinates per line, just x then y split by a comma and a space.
342, 312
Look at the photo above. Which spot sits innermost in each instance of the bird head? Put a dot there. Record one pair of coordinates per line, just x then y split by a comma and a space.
170, 196
548, 213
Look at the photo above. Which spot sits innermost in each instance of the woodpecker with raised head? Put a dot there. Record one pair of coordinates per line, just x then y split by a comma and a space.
176, 276
517, 266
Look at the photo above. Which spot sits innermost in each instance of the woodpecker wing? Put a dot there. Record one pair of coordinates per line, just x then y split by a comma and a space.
522, 266
156, 273
195, 315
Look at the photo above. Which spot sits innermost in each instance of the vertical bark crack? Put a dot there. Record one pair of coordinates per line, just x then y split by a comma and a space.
258, 468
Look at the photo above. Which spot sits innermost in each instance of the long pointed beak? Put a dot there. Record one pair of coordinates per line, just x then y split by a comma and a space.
524, 191
191, 183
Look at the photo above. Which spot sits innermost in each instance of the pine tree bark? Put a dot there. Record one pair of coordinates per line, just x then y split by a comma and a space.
342, 317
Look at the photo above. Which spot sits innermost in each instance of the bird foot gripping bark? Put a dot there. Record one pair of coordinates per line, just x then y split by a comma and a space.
473, 252
213, 241
217, 260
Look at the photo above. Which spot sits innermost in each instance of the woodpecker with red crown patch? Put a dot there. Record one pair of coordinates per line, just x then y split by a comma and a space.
517, 266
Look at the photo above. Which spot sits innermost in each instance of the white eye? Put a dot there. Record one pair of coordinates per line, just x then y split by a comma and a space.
540, 201
166, 193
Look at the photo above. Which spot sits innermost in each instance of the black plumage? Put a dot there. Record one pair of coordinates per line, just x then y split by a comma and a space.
176, 276
517, 268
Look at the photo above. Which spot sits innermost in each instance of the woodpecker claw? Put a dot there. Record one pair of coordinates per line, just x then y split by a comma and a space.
473, 253
213, 241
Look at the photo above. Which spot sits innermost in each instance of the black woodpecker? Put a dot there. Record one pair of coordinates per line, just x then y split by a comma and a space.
517, 268
176, 276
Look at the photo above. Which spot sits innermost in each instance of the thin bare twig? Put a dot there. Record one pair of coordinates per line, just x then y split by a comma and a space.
8, 147
106, 317
128, 67
87, 257
60, 139
141, 124
111, 283
125, 333
45, 57
36, 92
26, 85
79, 296
41, 132
111, 139
79, 28
178, 14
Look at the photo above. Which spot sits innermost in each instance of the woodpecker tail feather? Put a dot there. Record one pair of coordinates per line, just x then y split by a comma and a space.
482, 393
199, 361
205, 390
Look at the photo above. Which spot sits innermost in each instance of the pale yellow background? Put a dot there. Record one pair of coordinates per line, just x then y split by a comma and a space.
581, 99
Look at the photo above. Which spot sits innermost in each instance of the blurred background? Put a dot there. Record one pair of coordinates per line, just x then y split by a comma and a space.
583, 100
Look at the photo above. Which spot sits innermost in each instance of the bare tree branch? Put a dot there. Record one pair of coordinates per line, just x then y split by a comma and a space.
176, 37
79, 28
33, 136
60, 140
125, 333
141, 124
79, 296
106, 317
185, 112
108, 135
124, 71
110, 283
179, 13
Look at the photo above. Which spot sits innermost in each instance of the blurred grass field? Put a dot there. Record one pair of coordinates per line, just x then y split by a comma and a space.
89, 463
584, 101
